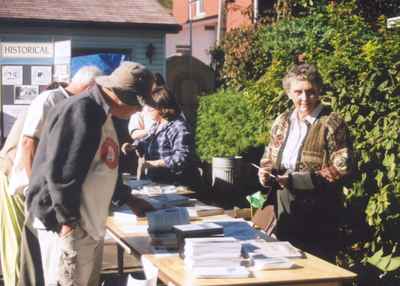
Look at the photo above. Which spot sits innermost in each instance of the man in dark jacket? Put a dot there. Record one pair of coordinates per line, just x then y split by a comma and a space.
75, 174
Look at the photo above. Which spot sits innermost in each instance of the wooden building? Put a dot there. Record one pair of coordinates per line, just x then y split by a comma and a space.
48, 33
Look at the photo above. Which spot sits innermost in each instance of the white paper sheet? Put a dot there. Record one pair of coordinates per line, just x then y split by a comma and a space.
134, 229
10, 115
151, 273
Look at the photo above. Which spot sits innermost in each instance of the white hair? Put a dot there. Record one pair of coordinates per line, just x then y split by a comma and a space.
86, 75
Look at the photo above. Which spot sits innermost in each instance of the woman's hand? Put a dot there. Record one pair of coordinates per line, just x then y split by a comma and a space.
283, 180
264, 171
331, 174
154, 164
127, 148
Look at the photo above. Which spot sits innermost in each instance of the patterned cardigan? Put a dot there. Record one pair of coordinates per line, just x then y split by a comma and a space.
327, 143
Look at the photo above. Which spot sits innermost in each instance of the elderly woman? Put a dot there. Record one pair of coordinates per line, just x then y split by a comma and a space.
307, 160
168, 148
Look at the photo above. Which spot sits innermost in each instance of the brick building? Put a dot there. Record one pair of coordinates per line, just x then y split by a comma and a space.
205, 20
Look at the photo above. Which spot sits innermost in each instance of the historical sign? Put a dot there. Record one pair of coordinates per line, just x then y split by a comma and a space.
27, 50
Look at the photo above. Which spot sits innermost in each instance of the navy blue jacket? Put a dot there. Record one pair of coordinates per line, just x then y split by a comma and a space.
67, 147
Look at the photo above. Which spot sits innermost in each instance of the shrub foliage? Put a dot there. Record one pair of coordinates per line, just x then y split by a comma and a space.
228, 125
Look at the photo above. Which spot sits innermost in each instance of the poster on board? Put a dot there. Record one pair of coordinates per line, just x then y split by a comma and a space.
24, 94
61, 73
40, 75
11, 75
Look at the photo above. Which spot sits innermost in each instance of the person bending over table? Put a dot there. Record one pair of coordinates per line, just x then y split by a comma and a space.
75, 172
310, 156
168, 148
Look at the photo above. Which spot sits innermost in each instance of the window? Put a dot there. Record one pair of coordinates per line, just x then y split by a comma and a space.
200, 8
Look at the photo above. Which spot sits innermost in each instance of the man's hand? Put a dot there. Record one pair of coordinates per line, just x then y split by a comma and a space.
65, 230
139, 206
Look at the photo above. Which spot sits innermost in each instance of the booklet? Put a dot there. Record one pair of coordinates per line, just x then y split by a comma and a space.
201, 210
199, 229
167, 201
221, 272
262, 262
274, 249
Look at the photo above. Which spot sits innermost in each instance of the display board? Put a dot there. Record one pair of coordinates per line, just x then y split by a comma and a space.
20, 85
26, 69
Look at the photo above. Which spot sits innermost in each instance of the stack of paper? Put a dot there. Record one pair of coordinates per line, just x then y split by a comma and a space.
212, 247
161, 223
214, 257
149, 188
205, 229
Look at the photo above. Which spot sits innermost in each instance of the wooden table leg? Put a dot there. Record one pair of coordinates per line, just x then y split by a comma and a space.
120, 259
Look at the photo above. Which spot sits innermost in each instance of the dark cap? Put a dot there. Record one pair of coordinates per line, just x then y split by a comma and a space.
131, 82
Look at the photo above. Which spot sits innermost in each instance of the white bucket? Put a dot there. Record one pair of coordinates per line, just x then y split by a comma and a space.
226, 170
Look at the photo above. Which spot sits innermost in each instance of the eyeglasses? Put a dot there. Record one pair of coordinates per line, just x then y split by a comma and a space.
305, 93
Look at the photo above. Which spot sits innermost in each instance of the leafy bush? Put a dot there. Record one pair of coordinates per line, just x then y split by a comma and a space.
244, 58
227, 126
360, 66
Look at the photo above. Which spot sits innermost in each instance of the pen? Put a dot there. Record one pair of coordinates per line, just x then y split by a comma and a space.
258, 167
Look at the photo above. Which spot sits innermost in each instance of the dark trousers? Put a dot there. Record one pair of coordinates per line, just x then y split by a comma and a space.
310, 221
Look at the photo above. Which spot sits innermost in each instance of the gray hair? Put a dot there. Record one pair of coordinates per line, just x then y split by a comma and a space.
305, 72
86, 75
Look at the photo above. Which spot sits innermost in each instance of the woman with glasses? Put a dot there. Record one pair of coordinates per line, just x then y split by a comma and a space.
307, 160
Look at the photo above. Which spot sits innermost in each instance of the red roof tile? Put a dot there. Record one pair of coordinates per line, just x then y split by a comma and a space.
96, 11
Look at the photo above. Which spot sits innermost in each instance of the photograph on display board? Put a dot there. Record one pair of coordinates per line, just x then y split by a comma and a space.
24, 94
61, 73
40, 75
11, 75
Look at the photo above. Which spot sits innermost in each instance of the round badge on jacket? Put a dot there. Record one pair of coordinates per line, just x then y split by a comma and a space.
109, 153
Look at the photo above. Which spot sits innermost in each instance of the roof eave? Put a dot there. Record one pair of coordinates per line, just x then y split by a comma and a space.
202, 19
167, 27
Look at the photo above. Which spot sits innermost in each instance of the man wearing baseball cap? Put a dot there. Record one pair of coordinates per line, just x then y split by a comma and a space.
75, 172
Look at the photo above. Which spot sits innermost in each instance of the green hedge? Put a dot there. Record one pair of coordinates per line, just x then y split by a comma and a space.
227, 125
360, 66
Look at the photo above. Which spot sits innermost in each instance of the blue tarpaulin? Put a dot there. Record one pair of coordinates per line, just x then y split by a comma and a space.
105, 62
